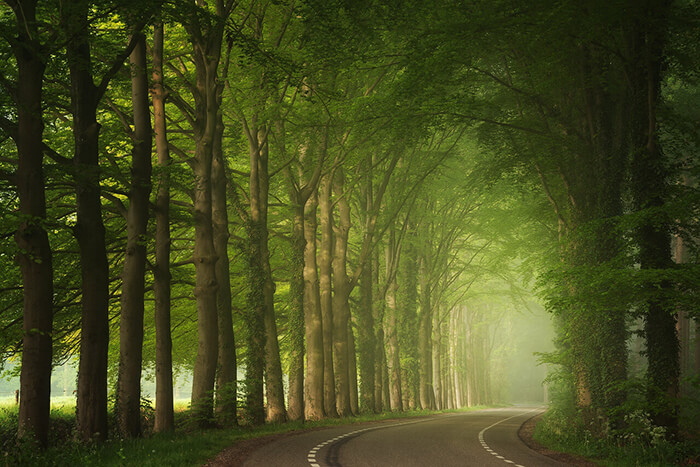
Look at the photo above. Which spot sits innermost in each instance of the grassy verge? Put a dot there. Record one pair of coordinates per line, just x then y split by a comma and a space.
185, 447
639, 445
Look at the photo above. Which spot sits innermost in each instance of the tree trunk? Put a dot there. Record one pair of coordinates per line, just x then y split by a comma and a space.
35, 258
313, 320
437, 364
326, 296
352, 371
164, 416
296, 313
273, 368
379, 357
379, 352
425, 330
205, 292
680, 256
366, 341
408, 327
133, 275
341, 307
391, 331
91, 409
255, 312
365, 313
226, 377
649, 178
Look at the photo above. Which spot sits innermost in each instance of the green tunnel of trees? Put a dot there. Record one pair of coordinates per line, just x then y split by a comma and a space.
296, 200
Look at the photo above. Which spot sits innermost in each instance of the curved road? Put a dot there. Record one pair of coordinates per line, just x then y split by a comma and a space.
480, 438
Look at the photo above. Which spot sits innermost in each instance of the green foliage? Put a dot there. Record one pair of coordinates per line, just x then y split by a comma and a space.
639, 443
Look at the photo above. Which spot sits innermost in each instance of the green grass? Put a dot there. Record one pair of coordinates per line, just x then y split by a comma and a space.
186, 447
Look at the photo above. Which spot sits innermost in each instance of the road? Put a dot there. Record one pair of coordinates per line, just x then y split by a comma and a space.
480, 438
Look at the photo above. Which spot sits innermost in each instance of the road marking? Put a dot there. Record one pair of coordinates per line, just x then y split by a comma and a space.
491, 451
311, 456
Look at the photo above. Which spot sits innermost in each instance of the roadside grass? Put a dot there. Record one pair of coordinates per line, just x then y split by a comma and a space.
632, 447
186, 446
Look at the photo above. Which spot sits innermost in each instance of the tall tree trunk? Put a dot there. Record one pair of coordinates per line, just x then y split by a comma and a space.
255, 312
341, 307
326, 296
164, 416
379, 358
437, 363
680, 256
408, 327
91, 409
295, 407
391, 332
226, 377
365, 314
425, 330
207, 54
133, 275
35, 258
273, 367
352, 371
379, 353
650, 191
313, 320
366, 341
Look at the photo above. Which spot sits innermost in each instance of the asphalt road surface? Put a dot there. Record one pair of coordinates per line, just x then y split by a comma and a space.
480, 438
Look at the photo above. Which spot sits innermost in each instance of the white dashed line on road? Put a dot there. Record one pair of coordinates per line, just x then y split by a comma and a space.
491, 451
311, 456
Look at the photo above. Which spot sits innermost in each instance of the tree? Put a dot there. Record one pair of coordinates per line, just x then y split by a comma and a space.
89, 229
133, 275
34, 255
164, 417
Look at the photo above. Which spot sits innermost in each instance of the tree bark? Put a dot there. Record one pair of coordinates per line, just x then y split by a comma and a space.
226, 377
408, 328
437, 363
352, 371
91, 409
164, 416
313, 320
425, 325
273, 368
133, 275
391, 330
649, 175
366, 341
297, 322
34, 257
341, 308
326, 296
365, 313
207, 53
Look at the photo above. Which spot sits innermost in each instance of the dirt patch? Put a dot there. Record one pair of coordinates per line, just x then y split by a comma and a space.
526, 432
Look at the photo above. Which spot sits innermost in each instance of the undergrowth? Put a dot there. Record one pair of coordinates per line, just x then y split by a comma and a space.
638, 442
